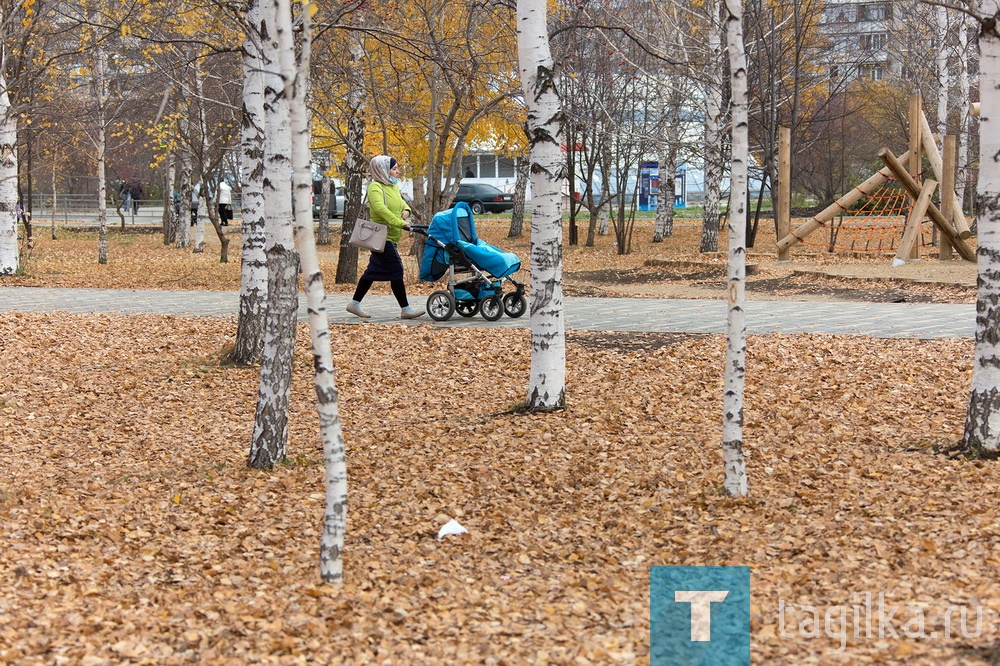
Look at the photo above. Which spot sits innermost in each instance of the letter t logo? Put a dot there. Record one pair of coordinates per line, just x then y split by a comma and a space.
701, 610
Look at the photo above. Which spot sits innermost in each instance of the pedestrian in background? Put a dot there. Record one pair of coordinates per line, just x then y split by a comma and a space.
225, 203
385, 206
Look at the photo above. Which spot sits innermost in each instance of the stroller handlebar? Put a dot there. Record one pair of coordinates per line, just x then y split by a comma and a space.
418, 229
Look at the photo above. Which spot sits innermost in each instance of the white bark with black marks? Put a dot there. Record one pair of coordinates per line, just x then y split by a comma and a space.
982, 422
736, 337
547, 384
100, 150
8, 176
331, 433
714, 121
249, 345
270, 436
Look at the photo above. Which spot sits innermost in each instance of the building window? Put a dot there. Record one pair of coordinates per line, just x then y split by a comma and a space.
505, 167
469, 167
876, 12
834, 71
487, 166
872, 71
874, 41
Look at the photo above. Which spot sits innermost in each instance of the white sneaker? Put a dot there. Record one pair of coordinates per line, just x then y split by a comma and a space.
354, 307
410, 312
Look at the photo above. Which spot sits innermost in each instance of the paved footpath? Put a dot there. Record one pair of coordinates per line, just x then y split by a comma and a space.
880, 320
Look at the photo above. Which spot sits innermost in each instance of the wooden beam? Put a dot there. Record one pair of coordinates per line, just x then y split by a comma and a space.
783, 211
934, 157
843, 203
917, 215
911, 186
947, 185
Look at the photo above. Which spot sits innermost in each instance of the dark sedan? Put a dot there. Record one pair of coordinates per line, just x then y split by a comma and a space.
483, 198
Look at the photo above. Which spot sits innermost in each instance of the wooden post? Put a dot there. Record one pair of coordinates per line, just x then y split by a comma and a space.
916, 159
783, 209
948, 187
843, 203
934, 157
911, 186
908, 246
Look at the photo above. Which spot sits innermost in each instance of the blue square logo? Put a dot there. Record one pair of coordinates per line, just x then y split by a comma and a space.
699, 616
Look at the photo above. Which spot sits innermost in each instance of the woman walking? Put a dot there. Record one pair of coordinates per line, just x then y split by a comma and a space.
385, 206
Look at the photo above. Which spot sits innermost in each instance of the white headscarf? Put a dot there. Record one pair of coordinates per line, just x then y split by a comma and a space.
379, 167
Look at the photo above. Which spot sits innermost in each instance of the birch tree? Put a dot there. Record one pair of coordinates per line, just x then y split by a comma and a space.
982, 421
332, 540
546, 387
249, 344
713, 132
270, 435
101, 96
8, 167
732, 424
347, 262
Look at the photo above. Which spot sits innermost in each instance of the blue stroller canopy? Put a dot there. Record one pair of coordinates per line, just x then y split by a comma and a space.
456, 228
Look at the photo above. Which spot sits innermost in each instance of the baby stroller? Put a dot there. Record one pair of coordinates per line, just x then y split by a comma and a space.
476, 270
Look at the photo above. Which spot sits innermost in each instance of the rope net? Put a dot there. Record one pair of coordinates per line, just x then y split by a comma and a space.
873, 224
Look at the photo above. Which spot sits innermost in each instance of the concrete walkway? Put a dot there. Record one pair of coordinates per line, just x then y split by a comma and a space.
880, 320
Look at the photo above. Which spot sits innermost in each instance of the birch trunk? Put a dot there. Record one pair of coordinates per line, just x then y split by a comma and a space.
604, 213
982, 422
334, 518
270, 434
943, 81
55, 196
184, 223
546, 387
347, 262
520, 190
102, 183
732, 424
664, 225
8, 176
713, 134
169, 213
249, 345
323, 231
962, 159
199, 226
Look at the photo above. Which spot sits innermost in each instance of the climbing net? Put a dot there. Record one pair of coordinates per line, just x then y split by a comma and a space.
874, 224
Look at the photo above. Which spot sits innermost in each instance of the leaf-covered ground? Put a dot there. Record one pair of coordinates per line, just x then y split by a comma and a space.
673, 268
133, 533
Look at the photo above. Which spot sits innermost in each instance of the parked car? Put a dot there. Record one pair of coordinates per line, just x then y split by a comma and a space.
336, 200
483, 198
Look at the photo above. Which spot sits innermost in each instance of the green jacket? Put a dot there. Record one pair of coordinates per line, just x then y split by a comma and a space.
387, 210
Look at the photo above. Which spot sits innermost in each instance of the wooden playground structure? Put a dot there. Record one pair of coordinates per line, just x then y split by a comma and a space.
893, 198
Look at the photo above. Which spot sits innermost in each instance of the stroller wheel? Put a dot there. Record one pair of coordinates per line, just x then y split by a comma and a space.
514, 305
440, 305
491, 307
467, 308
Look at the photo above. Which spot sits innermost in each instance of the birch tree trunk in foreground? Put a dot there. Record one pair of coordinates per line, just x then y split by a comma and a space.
334, 518
736, 343
270, 434
8, 177
249, 345
982, 421
547, 385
